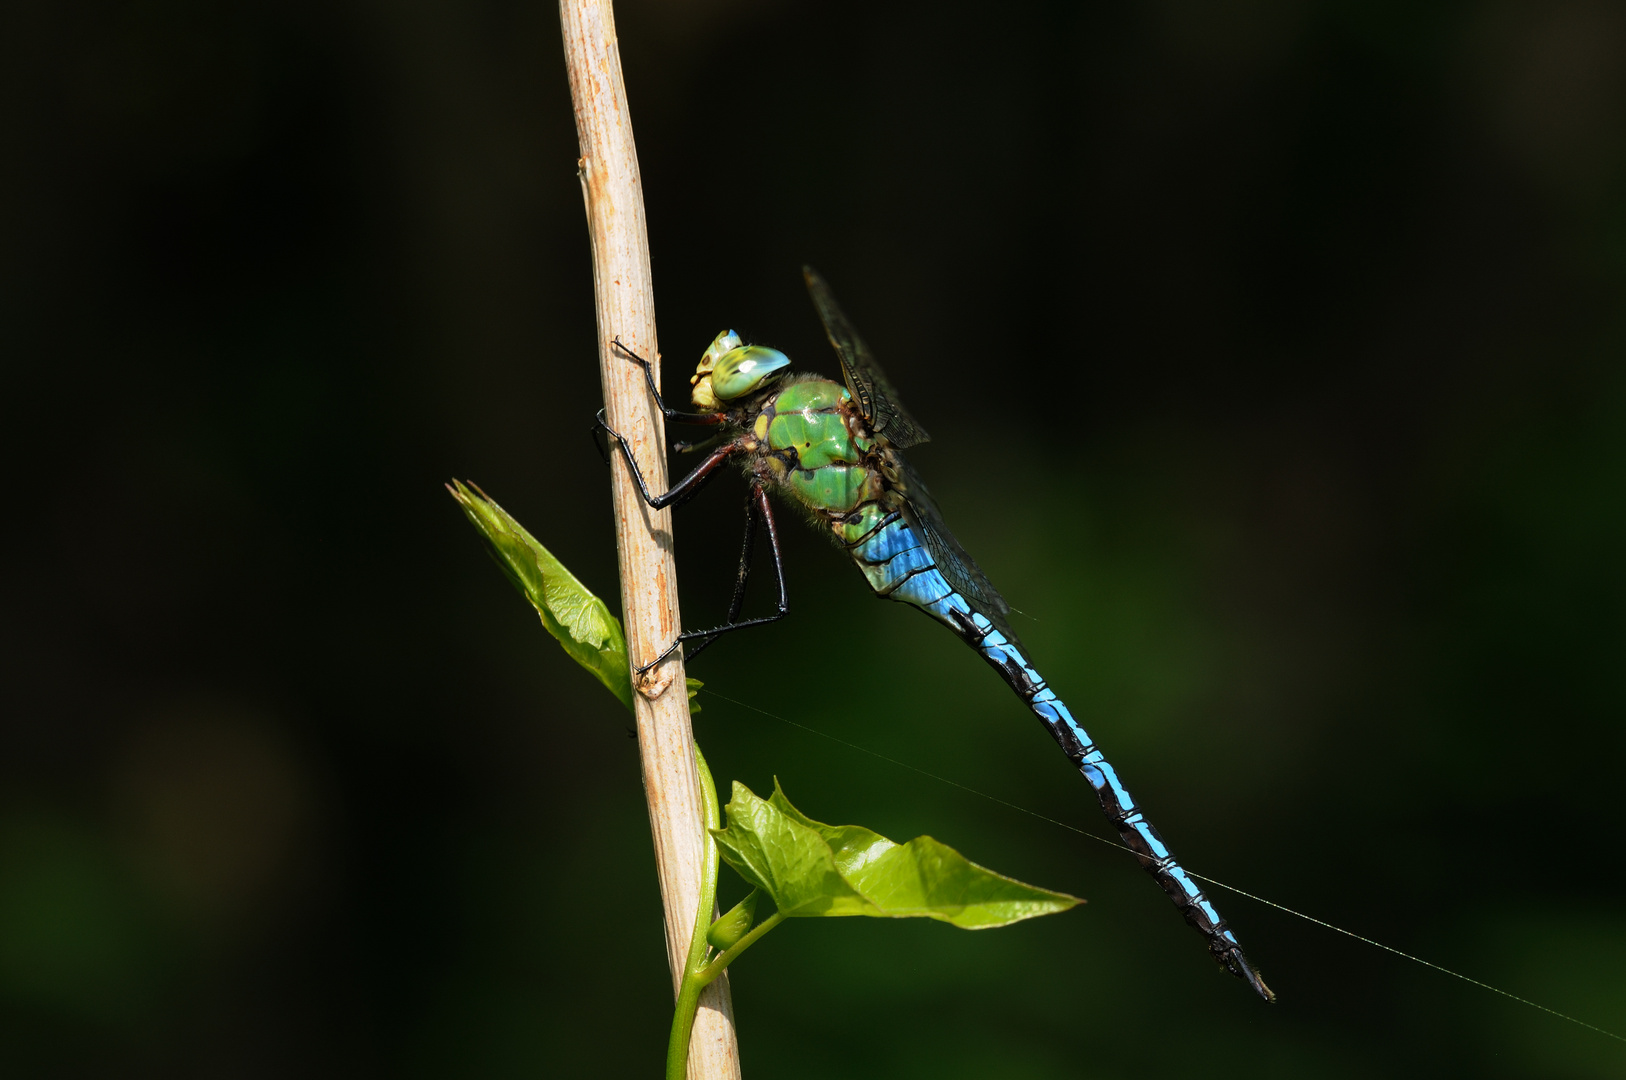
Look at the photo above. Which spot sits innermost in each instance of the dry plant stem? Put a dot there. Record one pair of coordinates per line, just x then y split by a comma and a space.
626, 310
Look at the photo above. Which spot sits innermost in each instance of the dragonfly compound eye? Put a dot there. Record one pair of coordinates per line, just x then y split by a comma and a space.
745, 370
720, 346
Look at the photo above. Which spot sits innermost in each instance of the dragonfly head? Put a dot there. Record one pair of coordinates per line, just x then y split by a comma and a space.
730, 370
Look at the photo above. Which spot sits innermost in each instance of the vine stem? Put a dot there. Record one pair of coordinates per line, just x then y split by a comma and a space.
694, 965
624, 297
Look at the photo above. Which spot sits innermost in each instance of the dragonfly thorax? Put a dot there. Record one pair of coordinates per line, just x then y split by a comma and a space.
729, 370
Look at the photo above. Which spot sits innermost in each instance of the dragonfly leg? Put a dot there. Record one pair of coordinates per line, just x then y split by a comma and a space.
680, 492
674, 415
596, 433
744, 575
685, 447
756, 502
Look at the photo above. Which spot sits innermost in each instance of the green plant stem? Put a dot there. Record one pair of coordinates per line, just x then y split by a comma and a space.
677, 1047
715, 968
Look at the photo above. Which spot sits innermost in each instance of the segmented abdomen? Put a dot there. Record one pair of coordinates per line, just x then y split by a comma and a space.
899, 566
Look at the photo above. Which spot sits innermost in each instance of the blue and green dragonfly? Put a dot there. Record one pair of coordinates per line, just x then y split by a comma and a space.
833, 449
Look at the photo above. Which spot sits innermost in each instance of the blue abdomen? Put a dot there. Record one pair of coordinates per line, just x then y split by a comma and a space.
900, 566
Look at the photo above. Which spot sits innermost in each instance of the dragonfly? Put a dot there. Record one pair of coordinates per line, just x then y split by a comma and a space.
834, 450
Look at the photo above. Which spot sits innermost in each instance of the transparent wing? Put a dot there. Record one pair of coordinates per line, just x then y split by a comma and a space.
865, 379
957, 566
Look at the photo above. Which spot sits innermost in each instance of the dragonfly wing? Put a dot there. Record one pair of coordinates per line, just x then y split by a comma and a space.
865, 379
956, 565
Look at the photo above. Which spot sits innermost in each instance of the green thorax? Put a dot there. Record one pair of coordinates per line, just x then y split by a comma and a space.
812, 442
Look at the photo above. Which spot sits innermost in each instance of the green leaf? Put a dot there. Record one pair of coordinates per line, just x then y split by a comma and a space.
809, 868
785, 859
575, 617
732, 925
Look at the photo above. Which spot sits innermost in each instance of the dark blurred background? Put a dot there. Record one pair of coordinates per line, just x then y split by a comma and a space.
1272, 354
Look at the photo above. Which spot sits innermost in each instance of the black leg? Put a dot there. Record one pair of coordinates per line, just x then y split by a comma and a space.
758, 499
596, 433
686, 447
744, 574
671, 414
680, 492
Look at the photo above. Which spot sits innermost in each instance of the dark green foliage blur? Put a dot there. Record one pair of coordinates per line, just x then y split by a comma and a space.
1272, 354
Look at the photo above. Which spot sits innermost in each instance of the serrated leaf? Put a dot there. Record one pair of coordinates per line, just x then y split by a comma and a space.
809, 868
577, 619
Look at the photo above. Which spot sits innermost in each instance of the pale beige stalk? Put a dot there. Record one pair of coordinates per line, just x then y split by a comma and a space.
626, 310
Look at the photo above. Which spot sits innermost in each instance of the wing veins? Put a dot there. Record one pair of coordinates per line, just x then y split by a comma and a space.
867, 383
